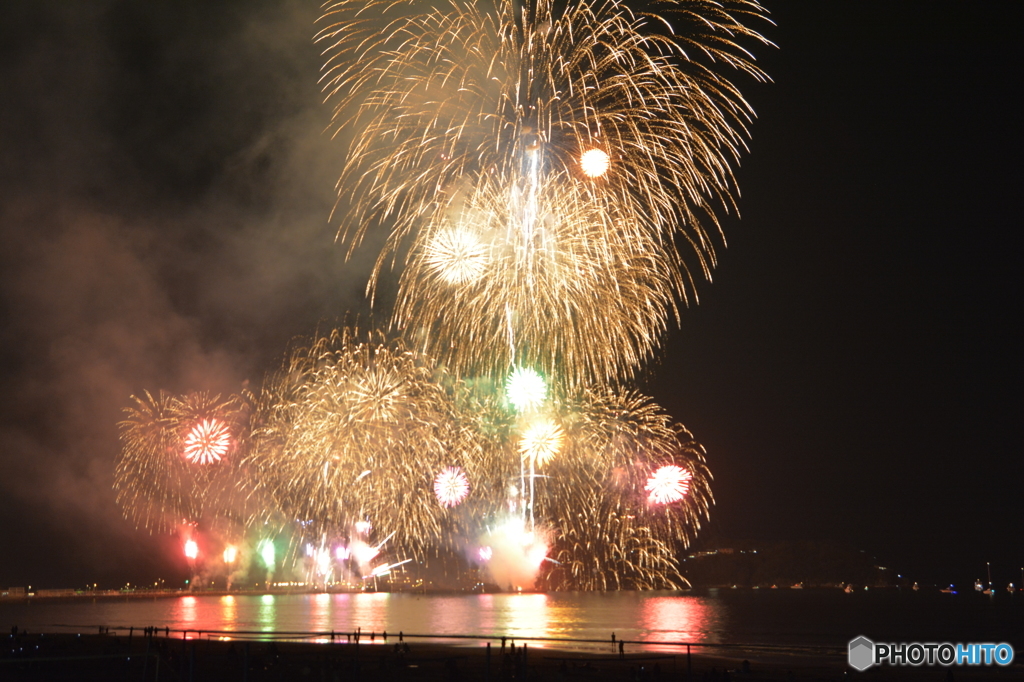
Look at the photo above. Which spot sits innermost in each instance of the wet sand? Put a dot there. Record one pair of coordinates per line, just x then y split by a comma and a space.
139, 657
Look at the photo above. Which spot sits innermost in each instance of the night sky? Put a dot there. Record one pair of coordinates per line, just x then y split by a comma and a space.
853, 371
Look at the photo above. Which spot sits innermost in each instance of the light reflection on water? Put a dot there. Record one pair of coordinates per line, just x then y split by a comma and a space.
227, 603
647, 617
673, 619
267, 615
779, 617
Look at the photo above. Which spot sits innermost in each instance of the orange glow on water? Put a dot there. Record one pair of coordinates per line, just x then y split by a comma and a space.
529, 615
188, 613
229, 609
678, 619
655, 619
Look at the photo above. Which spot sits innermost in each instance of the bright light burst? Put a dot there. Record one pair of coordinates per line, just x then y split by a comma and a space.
230, 554
323, 561
594, 163
456, 255
207, 442
191, 549
267, 553
669, 483
526, 389
364, 553
451, 486
541, 441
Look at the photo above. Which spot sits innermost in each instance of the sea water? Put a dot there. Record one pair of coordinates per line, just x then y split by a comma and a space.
781, 618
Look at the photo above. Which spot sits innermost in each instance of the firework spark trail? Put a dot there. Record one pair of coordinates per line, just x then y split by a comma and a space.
608, 534
473, 119
356, 429
177, 462
574, 302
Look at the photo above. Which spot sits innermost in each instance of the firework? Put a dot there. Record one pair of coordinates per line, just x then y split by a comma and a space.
230, 554
515, 552
170, 469
669, 483
526, 389
606, 534
456, 255
207, 442
541, 441
598, 450
550, 175
566, 296
268, 553
594, 163
451, 486
354, 429
483, 133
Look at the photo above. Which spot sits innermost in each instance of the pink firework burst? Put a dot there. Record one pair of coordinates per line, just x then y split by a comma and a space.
669, 484
451, 486
207, 442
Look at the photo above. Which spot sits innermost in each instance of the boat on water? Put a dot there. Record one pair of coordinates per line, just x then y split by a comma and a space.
990, 590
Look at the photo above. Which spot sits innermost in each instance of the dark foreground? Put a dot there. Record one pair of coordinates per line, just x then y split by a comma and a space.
143, 658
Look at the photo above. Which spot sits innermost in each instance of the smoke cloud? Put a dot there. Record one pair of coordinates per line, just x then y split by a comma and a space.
512, 554
165, 186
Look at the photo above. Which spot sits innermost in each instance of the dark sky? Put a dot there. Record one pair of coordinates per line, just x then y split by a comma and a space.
853, 370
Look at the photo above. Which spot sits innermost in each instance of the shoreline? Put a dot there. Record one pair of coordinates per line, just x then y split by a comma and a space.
151, 656
72, 594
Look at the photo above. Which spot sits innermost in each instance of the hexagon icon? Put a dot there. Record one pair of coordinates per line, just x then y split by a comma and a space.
862, 653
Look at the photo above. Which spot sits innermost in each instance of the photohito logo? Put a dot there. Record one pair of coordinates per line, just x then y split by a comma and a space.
864, 653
